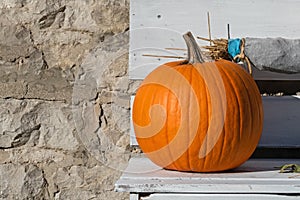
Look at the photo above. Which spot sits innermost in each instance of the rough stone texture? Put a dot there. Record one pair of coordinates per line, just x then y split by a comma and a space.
64, 98
274, 54
26, 181
36, 123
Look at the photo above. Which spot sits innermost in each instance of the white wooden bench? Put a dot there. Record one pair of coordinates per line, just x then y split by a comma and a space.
156, 25
257, 178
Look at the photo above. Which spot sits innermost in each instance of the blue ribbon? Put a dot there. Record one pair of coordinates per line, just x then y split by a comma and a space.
234, 47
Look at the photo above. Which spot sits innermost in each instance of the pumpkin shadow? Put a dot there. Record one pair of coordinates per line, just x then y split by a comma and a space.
252, 165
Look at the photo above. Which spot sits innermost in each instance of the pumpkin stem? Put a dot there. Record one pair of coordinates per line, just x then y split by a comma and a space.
194, 52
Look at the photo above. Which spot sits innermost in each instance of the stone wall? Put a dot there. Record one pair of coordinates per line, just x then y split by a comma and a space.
64, 98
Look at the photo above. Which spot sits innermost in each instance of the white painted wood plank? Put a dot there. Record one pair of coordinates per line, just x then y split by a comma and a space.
134, 197
132, 134
133, 141
218, 197
155, 25
255, 176
281, 122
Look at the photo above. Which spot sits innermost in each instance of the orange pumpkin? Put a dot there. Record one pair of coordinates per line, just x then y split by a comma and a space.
198, 116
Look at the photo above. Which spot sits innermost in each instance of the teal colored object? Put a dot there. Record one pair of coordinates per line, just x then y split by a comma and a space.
234, 47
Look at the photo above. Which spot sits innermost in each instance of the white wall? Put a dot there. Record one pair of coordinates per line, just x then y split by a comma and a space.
158, 24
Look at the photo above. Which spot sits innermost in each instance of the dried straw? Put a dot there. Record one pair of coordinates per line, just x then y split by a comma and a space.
218, 49
163, 56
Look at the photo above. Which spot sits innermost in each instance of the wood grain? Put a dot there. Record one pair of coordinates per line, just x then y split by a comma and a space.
156, 25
